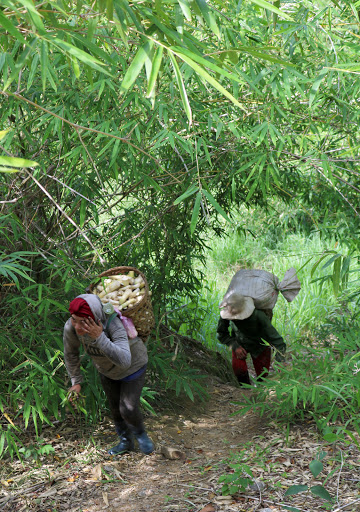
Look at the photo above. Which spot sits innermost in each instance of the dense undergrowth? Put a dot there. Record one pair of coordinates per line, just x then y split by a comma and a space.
321, 377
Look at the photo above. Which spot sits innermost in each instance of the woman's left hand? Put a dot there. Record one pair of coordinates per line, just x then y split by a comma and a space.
93, 329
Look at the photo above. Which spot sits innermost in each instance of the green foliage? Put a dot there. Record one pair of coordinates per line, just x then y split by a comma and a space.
339, 277
169, 367
321, 383
11, 267
34, 452
237, 481
316, 467
131, 137
239, 474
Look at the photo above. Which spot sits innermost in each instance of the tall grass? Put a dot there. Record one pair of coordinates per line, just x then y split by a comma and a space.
320, 329
275, 251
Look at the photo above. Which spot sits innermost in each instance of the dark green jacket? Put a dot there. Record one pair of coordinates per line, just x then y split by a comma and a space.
249, 334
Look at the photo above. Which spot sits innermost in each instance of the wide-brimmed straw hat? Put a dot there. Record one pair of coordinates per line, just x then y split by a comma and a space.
236, 307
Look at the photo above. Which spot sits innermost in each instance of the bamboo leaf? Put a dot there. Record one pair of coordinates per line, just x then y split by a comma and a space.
208, 16
3, 133
120, 29
345, 266
215, 204
29, 6
136, 66
208, 78
34, 15
189, 192
185, 7
252, 190
44, 64
82, 212
346, 68
330, 261
315, 87
94, 49
205, 62
322, 257
19, 64
195, 212
182, 89
84, 57
336, 276
17, 162
109, 9
26, 409
76, 67
272, 8
154, 70
179, 19
268, 57
8, 170
295, 395
33, 69
9, 27
333, 391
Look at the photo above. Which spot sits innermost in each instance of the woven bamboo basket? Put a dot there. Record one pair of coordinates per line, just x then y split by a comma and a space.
142, 313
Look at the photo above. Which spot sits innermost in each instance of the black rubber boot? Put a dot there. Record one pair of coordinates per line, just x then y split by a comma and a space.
145, 444
126, 443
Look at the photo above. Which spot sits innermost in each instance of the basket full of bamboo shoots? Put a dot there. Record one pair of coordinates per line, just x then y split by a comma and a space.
127, 290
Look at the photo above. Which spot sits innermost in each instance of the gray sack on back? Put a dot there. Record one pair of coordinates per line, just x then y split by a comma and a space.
263, 287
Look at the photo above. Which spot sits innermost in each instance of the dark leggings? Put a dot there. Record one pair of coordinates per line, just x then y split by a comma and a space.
124, 402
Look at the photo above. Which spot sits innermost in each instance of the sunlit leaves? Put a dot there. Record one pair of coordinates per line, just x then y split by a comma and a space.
79, 54
208, 78
269, 6
136, 66
155, 67
208, 16
316, 85
10, 164
182, 88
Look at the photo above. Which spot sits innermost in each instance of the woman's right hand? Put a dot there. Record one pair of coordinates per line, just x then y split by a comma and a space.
74, 392
240, 353
75, 389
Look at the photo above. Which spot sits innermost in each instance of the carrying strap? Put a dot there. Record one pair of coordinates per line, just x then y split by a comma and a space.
110, 319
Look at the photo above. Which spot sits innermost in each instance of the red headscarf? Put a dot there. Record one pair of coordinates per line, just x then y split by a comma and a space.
80, 307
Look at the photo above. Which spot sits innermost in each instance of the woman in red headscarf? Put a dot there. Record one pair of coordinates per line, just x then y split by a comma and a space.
120, 362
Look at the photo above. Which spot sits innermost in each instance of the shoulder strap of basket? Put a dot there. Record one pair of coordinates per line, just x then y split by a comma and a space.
110, 319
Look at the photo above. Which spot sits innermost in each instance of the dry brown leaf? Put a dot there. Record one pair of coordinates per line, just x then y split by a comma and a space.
208, 508
96, 472
105, 498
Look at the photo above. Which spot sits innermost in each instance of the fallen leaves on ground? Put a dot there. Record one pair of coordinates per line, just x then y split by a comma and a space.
80, 476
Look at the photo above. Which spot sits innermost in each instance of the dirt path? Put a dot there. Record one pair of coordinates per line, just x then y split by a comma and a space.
80, 476
203, 439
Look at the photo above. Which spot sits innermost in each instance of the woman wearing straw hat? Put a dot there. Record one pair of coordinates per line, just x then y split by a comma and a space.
244, 329
120, 361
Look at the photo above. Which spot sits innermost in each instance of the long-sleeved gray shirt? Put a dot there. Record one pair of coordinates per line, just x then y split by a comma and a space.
115, 357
